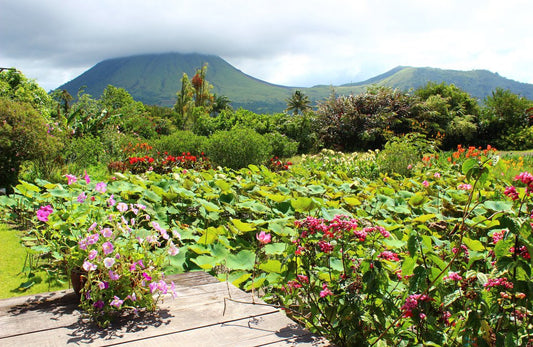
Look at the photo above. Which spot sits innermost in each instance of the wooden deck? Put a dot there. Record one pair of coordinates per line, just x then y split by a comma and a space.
201, 315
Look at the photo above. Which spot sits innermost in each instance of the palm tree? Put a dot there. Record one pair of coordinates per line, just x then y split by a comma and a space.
298, 103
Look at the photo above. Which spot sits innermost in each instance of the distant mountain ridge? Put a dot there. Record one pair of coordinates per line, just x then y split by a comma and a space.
155, 79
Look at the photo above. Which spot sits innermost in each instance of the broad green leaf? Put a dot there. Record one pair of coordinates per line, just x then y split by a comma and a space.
271, 265
394, 243
498, 205
424, 218
468, 165
352, 201
152, 196
408, 266
223, 185
209, 206
474, 245
418, 199
303, 204
242, 226
204, 261
275, 248
244, 260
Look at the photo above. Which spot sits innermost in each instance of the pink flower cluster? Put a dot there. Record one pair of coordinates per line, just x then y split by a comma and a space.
412, 303
263, 237
388, 255
453, 276
498, 282
44, 212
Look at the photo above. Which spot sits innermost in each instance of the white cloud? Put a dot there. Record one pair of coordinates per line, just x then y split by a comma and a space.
299, 43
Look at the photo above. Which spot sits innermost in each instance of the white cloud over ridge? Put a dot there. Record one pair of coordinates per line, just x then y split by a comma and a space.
297, 43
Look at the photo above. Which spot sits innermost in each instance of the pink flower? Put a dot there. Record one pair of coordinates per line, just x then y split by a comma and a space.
113, 276
81, 198
512, 193
83, 244
94, 225
436, 175
92, 239
101, 187
388, 255
44, 212
109, 262
172, 249
464, 186
103, 285
88, 266
409, 167
263, 237
152, 286
173, 290
107, 247
146, 276
86, 177
106, 232
425, 183
70, 179
122, 207
116, 302
454, 276
325, 291
92, 254
111, 201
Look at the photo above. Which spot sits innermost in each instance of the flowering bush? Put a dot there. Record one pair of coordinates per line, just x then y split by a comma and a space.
122, 260
166, 163
277, 165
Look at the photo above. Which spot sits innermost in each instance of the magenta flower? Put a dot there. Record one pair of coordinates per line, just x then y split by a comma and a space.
436, 175
81, 198
91, 228
388, 255
425, 183
92, 239
146, 276
86, 177
111, 201
99, 304
512, 193
44, 212
103, 285
106, 232
107, 247
101, 187
116, 302
113, 276
88, 266
122, 207
325, 291
70, 179
454, 276
263, 237
92, 254
464, 186
152, 286
83, 244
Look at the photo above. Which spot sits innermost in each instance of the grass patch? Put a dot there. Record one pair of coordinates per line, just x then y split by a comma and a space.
15, 278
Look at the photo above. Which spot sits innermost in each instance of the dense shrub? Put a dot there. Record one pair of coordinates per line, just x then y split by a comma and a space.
401, 153
282, 146
238, 148
182, 141
24, 135
83, 152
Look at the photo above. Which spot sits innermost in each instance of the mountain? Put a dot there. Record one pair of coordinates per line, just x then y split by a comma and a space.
478, 83
155, 79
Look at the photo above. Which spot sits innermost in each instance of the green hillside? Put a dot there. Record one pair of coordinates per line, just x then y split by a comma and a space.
154, 79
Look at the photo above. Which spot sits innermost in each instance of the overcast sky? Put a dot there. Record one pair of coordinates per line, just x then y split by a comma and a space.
295, 43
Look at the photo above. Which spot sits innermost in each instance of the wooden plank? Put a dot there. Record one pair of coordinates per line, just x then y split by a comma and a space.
267, 329
200, 315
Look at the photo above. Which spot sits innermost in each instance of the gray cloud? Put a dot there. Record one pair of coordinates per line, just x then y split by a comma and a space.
299, 43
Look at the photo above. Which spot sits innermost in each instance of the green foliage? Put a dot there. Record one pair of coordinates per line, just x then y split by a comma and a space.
182, 141
281, 145
449, 112
17, 87
298, 103
83, 152
364, 121
504, 118
238, 148
402, 153
441, 257
23, 136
